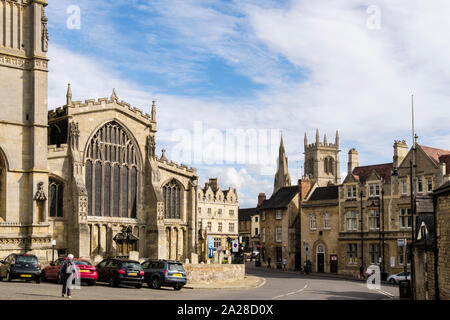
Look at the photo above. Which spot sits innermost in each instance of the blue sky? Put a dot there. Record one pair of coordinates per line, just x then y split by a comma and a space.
291, 66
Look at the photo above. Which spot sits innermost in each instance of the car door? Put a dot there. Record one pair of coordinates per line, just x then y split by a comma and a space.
145, 266
101, 270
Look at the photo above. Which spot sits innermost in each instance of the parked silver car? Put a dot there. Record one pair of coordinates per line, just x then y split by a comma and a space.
396, 278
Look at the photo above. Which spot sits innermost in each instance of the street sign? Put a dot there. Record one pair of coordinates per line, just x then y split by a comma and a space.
235, 246
401, 242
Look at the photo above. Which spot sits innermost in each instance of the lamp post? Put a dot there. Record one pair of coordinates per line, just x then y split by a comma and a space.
362, 224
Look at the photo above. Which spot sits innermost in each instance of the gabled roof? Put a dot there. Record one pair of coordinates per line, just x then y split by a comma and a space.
364, 172
437, 155
325, 193
246, 214
280, 199
445, 188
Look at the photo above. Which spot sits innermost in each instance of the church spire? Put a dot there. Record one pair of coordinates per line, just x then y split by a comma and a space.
282, 178
337, 139
69, 95
306, 140
317, 137
325, 142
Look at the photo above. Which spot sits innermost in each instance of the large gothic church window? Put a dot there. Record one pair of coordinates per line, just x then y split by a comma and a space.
171, 193
112, 173
55, 199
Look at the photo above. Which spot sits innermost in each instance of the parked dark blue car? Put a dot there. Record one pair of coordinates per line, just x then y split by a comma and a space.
165, 273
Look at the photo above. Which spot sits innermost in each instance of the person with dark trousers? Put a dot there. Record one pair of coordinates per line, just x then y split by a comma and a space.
268, 262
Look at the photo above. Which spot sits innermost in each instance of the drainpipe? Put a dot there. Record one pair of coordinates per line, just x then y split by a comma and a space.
436, 252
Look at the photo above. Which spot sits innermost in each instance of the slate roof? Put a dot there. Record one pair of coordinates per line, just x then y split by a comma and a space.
384, 170
325, 193
280, 199
246, 214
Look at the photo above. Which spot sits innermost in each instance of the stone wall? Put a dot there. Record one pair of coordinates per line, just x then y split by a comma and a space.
214, 272
443, 232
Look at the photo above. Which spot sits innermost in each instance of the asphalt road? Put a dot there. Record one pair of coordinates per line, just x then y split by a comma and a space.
277, 286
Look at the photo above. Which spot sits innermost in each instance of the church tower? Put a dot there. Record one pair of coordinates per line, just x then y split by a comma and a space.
282, 178
322, 160
23, 125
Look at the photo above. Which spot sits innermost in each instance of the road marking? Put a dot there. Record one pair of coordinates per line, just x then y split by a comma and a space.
291, 293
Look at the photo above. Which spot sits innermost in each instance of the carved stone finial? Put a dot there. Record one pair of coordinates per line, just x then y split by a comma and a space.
154, 111
69, 95
114, 95
44, 37
163, 155
40, 193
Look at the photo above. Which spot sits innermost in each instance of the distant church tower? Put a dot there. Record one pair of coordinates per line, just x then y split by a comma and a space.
322, 161
23, 130
282, 178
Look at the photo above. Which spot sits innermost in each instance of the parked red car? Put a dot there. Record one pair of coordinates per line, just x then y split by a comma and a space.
88, 272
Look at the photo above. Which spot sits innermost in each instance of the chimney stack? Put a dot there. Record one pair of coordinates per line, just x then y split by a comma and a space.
352, 160
261, 198
303, 188
400, 152
213, 183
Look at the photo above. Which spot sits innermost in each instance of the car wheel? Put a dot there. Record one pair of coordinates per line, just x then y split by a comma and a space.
38, 280
156, 283
92, 283
138, 286
392, 281
178, 287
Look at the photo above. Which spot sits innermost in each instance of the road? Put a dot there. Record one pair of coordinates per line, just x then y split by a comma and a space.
277, 286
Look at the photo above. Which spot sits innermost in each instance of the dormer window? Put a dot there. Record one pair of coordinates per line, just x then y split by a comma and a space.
374, 190
351, 192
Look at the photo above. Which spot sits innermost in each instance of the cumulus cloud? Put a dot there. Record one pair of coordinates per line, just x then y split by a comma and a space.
319, 65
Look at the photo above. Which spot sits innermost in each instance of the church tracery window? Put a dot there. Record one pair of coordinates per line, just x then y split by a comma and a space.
55, 198
171, 193
112, 173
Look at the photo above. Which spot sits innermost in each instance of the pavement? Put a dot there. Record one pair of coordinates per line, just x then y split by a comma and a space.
247, 283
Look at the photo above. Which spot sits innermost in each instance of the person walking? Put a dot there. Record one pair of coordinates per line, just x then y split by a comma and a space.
361, 272
68, 273
284, 264
268, 262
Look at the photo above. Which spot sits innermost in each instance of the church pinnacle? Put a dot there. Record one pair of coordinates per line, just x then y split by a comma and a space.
69, 95
153, 111
282, 178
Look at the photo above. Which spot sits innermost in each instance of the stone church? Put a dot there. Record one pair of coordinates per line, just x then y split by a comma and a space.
85, 174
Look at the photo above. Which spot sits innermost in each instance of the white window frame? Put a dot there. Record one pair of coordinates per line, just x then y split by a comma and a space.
312, 226
429, 182
219, 226
374, 190
351, 192
278, 214
326, 221
419, 183
209, 226
374, 219
231, 227
278, 234
351, 220
405, 215
404, 187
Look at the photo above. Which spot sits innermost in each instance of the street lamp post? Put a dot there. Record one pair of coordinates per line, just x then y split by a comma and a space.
362, 232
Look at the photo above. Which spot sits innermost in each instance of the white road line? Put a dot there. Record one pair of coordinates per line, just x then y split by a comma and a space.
291, 293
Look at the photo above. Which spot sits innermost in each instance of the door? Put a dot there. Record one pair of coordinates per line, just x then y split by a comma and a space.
320, 258
333, 263
101, 270
279, 257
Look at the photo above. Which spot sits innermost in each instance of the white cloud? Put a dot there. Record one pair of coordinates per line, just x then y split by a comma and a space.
321, 66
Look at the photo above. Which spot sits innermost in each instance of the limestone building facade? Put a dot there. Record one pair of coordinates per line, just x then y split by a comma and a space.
81, 173
24, 174
217, 213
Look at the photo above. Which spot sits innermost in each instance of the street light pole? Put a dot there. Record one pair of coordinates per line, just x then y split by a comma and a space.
382, 232
362, 224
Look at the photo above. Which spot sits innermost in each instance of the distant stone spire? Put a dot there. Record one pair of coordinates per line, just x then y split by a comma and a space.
153, 111
114, 95
325, 142
69, 95
337, 138
282, 178
306, 140
317, 137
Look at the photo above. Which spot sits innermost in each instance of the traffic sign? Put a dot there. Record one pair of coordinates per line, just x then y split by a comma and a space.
401, 242
235, 246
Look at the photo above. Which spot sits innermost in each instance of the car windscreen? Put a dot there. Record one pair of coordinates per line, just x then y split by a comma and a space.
175, 267
134, 265
26, 259
82, 263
